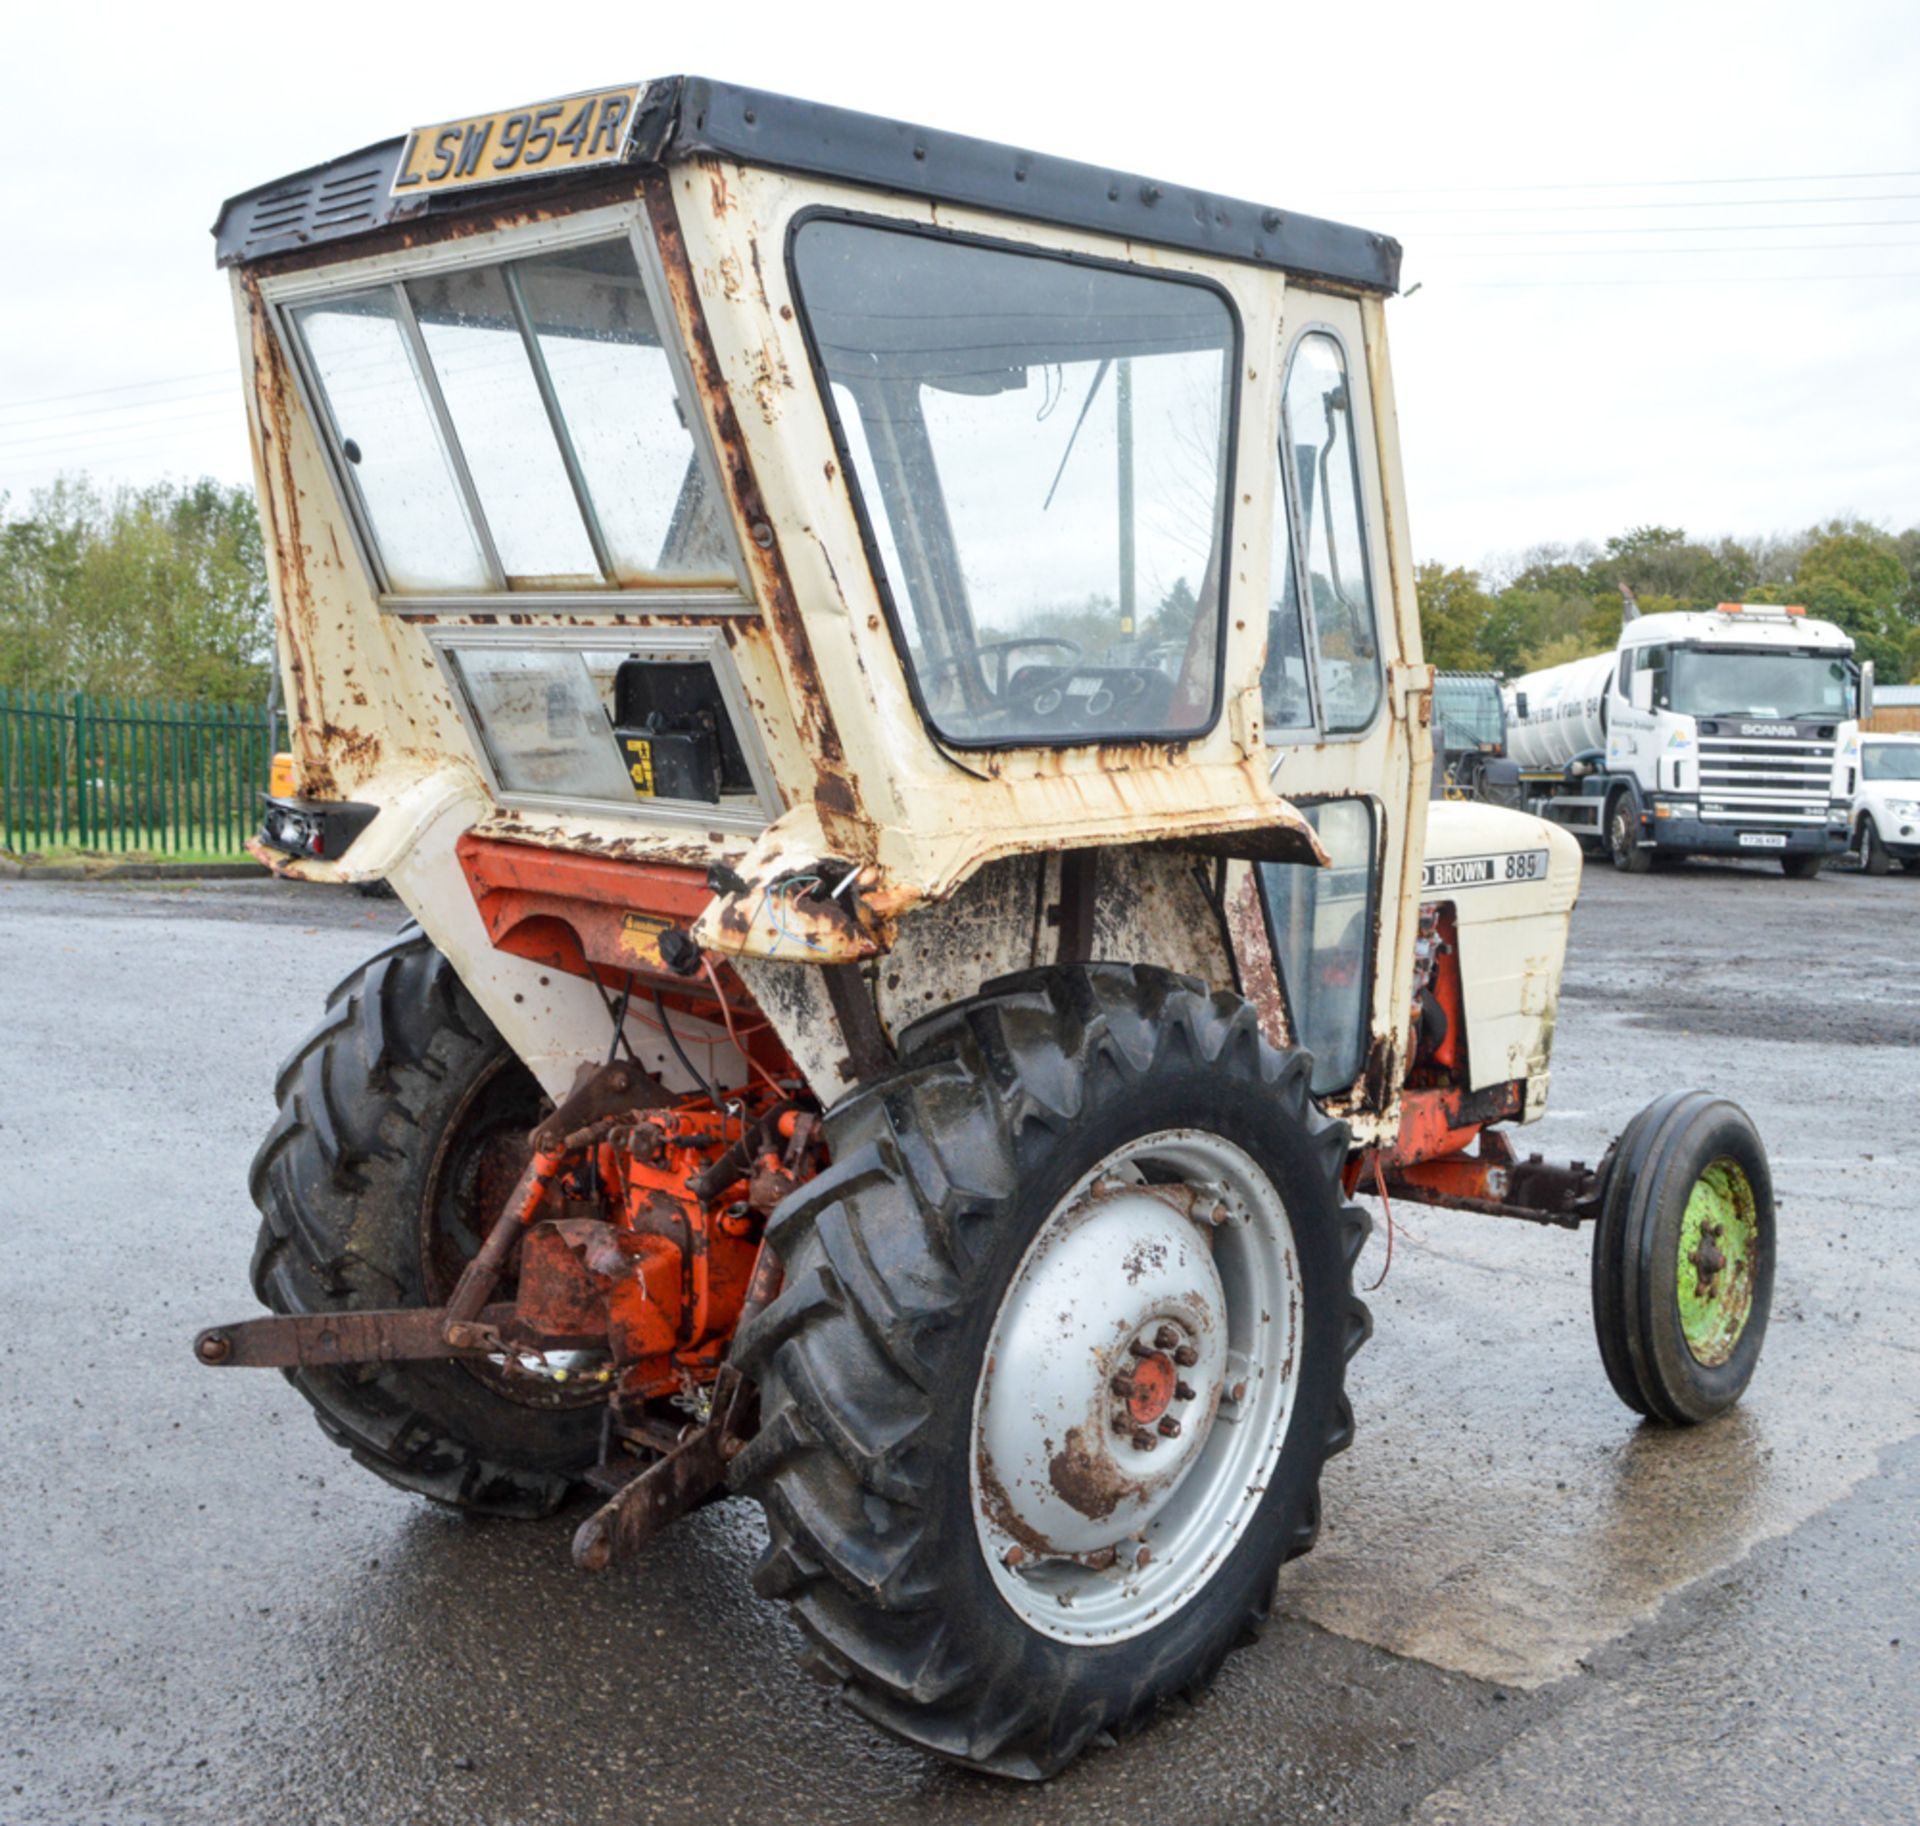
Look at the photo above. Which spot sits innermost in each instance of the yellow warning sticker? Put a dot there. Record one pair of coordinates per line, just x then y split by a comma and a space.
640, 935
639, 751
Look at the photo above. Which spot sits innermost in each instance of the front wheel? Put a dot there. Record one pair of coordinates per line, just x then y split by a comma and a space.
1801, 868
1623, 838
1683, 1258
1874, 857
1058, 1361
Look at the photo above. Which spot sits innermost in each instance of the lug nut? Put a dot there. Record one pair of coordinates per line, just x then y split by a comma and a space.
1183, 1391
1122, 1421
1143, 1441
1122, 1384
1165, 1338
1186, 1356
1169, 1427
1141, 1348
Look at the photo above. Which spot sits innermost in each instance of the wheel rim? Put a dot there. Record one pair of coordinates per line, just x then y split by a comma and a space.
1620, 835
1719, 1241
1137, 1387
482, 1153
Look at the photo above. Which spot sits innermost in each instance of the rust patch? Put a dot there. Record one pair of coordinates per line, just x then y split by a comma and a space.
1142, 1259
1253, 957
1087, 1479
818, 731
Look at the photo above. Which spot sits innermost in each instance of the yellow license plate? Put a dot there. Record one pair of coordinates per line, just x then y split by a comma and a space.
570, 134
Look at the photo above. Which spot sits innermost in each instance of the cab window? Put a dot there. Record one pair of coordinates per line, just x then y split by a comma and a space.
515, 426
1320, 471
1038, 448
1321, 922
1286, 680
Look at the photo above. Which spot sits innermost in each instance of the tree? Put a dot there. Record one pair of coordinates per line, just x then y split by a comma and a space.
1663, 561
155, 591
1851, 574
1453, 613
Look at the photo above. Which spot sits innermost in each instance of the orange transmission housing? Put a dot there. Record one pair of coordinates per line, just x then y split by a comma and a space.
658, 1233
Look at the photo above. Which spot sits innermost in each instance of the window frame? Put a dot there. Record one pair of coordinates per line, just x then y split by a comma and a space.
282, 294
1370, 923
869, 542
707, 645
1297, 555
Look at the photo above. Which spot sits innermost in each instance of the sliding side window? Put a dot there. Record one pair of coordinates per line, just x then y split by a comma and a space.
1331, 570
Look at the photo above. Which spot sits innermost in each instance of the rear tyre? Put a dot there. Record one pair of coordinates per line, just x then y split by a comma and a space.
1805, 868
1623, 838
1683, 1258
401, 1115
1014, 1350
1873, 853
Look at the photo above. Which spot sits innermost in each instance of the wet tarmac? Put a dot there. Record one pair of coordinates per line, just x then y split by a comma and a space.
1525, 1605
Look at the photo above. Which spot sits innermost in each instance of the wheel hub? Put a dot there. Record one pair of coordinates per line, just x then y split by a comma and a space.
1107, 1372
1718, 1244
1136, 1387
1156, 1383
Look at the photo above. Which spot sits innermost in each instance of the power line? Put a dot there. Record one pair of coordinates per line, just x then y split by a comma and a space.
1655, 228
1743, 247
1801, 177
1534, 209
109, 434
55, 418
1717, 279
132, 386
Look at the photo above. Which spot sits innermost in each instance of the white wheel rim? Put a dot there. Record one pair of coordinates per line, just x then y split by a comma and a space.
1090, 1534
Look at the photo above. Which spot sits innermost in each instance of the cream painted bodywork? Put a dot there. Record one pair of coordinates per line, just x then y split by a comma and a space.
376, 719
1512, 938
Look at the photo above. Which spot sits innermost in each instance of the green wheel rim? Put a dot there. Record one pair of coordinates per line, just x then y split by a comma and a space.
1719, 1244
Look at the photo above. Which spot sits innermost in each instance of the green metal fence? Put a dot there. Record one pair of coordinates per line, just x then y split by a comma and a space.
114, 773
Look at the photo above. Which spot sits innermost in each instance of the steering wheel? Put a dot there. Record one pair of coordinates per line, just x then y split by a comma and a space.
950, 666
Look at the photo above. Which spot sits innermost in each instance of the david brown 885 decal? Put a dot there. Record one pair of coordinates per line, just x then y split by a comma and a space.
1483, 871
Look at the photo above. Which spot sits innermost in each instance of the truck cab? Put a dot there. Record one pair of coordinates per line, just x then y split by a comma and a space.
1727, 732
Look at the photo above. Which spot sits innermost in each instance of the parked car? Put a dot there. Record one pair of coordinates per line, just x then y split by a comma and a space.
1886, 803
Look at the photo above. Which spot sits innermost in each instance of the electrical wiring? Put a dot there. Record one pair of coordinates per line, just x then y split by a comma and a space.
726, 1014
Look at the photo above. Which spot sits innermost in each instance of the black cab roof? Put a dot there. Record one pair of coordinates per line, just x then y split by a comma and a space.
682, 117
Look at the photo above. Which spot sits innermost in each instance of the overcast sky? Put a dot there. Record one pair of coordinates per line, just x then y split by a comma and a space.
1668, 255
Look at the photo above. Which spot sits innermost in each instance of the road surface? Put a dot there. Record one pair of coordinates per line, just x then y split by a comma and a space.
1525, 1606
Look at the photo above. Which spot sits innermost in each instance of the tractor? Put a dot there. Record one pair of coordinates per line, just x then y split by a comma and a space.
884, 668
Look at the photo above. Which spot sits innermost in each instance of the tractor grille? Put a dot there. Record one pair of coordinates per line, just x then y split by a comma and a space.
1765, 779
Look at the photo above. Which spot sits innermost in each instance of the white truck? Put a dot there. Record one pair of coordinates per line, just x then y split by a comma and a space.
1731, 731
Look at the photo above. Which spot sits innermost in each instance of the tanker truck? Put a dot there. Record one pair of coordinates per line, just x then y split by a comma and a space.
1727, 732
